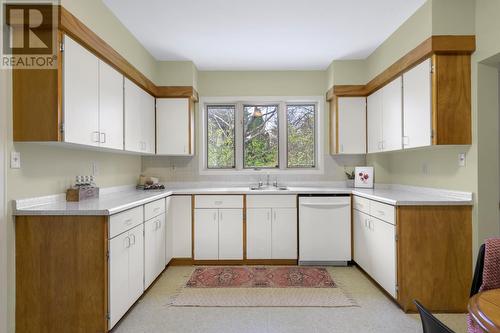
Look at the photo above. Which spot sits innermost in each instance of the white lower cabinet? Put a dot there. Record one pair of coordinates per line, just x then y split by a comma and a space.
154, 248
218, 227
206, 234
259, 238
230, 234
126, 272
271, 232
284, 233
375, 247
179, 216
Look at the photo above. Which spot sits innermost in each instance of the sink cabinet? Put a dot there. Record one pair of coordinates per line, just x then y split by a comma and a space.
271, 227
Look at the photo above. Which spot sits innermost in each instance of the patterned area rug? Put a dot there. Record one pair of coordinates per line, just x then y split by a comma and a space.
261, 287
261, 277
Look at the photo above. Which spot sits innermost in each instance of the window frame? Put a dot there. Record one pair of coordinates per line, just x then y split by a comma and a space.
315, 138
282, 101
205, 139
278, 106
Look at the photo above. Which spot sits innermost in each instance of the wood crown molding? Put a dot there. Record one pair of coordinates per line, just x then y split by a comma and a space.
442, 44
73, 27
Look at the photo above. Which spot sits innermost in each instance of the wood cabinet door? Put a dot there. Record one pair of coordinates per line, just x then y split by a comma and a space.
206, 234
417, 106
284, 233
392, 121
110, 107
179, 214
80, 94
230, 234
361, 240
374, 122
383, 254
136, 263
259, 237
133, 117
150, 251
119, 301
351, 125
173, 126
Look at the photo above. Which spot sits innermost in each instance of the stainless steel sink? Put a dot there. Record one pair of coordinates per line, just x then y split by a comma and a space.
268, 188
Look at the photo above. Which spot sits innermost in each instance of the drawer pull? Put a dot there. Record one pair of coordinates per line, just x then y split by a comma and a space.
218, 202
156, 209
128, 221
381, 212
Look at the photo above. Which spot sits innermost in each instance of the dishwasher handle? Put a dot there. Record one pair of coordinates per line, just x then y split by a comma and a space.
325, 204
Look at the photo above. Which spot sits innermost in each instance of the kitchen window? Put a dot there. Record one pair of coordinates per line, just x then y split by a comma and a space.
261, 135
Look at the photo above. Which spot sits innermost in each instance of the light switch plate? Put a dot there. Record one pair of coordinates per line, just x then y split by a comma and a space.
461, 159
15, 160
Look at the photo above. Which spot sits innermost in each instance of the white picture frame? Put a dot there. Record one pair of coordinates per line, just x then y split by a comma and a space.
363, 177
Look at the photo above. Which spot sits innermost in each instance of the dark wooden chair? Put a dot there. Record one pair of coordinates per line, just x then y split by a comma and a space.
430, 323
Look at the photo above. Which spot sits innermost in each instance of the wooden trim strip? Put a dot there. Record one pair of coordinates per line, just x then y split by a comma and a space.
177, 92
442, 44
191, 262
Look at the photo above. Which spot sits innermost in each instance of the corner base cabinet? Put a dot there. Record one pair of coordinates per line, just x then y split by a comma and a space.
416, 252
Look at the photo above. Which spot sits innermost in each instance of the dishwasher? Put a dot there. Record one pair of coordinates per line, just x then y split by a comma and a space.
325, 229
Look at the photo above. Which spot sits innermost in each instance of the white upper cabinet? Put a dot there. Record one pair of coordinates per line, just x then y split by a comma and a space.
139, 119
80, 94
417, 108
110, 107
374, 118
385, 118
174, 126
351, 125
392, 104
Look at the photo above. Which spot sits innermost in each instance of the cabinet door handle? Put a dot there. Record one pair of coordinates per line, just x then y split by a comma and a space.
133, 239
268, 215
127, 242
406, 140
274, 215
96, 135
215, 216
220, 215
103, 137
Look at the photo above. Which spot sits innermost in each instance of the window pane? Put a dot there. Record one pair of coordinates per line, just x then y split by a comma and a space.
260, 144
220, 136
301, 137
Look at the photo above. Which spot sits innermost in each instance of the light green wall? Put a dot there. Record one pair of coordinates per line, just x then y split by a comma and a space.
97, 16
411, 33
177, 73
261, 83
453, 17
346, 72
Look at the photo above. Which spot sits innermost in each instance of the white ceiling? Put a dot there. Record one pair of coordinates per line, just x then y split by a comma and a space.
262, 34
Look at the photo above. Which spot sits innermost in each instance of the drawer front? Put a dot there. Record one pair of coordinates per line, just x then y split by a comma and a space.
383, 211
218, 201
126, 220
361, 204
271, 201
154, 209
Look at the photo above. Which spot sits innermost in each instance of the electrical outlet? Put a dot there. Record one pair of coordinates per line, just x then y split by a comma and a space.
461, 159
15, 160
425, 168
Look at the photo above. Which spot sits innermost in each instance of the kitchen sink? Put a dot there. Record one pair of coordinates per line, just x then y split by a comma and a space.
268, 188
